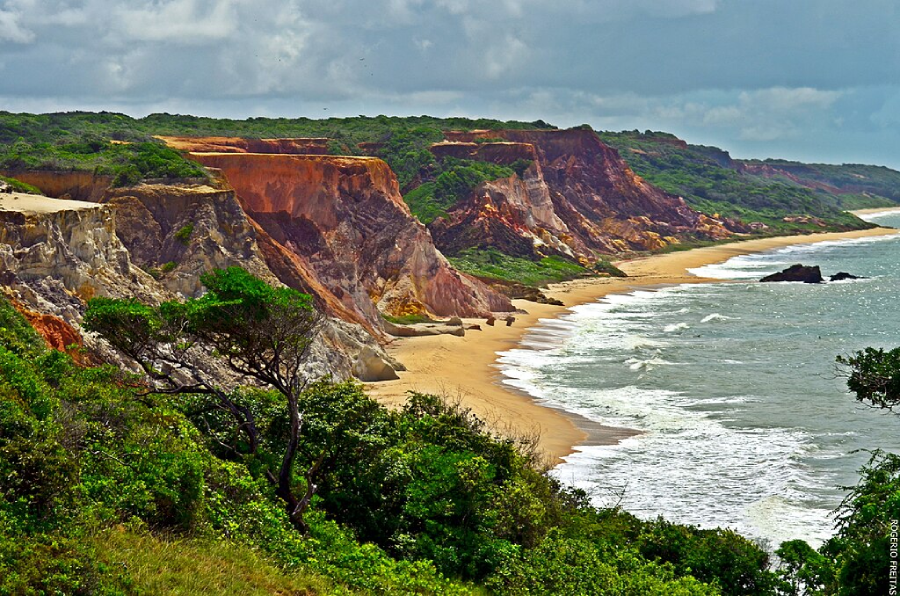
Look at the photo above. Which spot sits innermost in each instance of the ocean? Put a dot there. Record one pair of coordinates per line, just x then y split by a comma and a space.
745, 421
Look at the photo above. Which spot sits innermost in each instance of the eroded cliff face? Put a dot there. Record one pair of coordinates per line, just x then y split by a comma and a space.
56, 254
180, 232
71, 245
308, 146
344, 218
577, 196
78, 186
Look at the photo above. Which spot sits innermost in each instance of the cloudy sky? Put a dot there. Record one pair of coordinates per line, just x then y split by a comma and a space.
815, 80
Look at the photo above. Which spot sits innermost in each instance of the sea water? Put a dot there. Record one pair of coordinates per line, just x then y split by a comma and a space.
744, 420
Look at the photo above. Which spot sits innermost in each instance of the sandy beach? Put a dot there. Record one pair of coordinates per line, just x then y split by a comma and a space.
465, 368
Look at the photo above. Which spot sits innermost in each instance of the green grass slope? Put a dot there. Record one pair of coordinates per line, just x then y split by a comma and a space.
712, 183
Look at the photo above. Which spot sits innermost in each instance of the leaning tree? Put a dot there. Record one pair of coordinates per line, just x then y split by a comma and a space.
873, 374
260, 333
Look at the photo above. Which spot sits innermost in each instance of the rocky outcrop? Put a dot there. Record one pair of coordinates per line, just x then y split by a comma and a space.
425, 329
502, 152
797, 273
67, 246
181, 231
55, 254
843, 275
344, 219
369, 366
577, 197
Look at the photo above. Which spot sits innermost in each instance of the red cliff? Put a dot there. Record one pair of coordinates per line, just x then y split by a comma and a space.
344, 218
578, 196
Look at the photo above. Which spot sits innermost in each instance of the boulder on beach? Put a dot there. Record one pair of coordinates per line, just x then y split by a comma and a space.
797, 273
369, 366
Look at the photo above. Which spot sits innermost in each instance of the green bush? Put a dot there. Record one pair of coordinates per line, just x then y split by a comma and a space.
490, 263
183, 235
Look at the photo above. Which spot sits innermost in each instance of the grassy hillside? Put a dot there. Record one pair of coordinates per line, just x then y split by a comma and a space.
854, 185
711, 182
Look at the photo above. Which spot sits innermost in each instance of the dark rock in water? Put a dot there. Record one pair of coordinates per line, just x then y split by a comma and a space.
842, 275
800, 273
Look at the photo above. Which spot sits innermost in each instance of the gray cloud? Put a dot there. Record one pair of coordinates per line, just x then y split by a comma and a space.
761, 76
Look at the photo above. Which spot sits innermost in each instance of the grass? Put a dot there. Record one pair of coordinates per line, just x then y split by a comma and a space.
183, 235
407, 319
493, 264
19, 186
188, 567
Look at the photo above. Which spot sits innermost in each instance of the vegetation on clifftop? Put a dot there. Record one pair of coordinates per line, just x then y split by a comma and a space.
711, 182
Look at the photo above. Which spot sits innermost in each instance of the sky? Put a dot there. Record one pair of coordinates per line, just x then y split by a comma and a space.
811, 80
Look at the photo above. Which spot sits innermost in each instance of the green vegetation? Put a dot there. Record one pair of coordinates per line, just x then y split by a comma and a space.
604, 267
183, 235
711, 182
105, 144
492, 264
454, 183
862, 183
124, 148
874, 376
858, 559
19, 186
108, 488
168, 267
149, 564
407, 319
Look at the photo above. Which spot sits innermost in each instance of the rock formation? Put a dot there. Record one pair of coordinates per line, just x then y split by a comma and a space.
797, 273
577, 196
344, 218
842, 275
305, 146
53, 246
56, 254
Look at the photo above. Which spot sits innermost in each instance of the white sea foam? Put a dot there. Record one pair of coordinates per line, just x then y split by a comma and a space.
880, 215
715, 317
647, 364
730, 438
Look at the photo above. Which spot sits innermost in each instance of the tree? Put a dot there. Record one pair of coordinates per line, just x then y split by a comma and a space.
863, 550
261, 333
874, 376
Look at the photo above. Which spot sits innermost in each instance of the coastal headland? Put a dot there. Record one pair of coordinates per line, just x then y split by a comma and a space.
465, 368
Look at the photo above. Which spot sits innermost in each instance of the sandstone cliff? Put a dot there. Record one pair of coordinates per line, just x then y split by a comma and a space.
70, 246
55, 254
577, 196
301, 146
345, 219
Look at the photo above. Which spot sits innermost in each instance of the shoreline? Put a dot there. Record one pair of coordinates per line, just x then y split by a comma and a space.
465, 368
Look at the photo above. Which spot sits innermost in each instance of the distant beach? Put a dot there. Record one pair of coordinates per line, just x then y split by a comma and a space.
465, 368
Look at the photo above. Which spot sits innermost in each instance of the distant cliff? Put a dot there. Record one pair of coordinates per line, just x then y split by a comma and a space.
577, 196
771, 196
